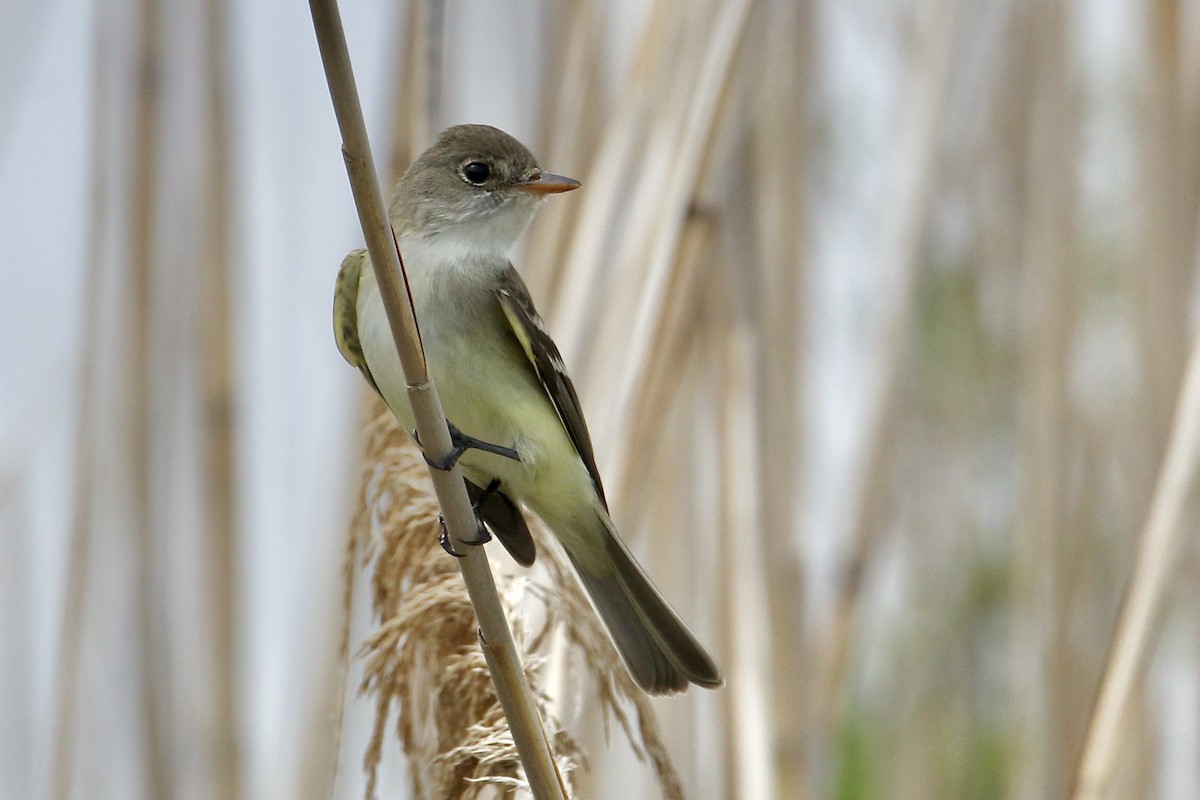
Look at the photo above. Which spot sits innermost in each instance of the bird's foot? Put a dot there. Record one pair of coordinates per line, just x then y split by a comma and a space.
462, 443
482, 538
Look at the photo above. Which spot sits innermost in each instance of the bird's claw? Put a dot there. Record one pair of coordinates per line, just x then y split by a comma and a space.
448, 545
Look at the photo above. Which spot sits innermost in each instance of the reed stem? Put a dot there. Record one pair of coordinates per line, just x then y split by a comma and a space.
494, 634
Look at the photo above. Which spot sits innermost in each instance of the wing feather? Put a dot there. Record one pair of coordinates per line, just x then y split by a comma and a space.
547, 362
345, 312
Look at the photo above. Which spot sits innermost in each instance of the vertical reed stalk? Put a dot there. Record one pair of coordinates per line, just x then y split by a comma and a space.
1013, 130
1047, 305
1162, 292
1158, 547
572, 123
903, 231
145, 149
78, 561
220, 414
652, 253
781, 95
750, 761
667, 361
590, 252
495, 636
417, 107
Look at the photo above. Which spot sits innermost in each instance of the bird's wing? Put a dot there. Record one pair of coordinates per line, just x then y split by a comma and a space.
547, 362
345, 312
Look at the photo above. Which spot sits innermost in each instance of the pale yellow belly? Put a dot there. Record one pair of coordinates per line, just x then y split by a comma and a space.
489, 391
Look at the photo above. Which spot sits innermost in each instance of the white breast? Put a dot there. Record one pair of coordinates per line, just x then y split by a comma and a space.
485, 384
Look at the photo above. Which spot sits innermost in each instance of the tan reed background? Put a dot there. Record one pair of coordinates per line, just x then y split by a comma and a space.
898, 301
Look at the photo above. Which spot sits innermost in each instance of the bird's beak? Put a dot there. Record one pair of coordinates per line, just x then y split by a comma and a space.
548, 183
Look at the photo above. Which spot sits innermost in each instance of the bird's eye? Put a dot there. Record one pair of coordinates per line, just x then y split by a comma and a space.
476, 172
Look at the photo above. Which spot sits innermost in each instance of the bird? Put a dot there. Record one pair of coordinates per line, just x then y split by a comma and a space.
514, 414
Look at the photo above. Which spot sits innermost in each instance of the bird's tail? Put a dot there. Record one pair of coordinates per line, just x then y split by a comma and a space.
661, 653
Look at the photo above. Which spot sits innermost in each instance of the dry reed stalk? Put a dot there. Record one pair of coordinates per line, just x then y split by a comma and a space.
323, 750
416, 109
1158, 546
679, 525
665, 337
674, 155
1008, 131
750, 760
323, 746
571, 126
1047, 310
667, 360
679, 521
680, 88
423, 656
780, 134
78, 562
1167, 230
144, 155
626, 185
722, 346
602, 206
643, 264
903, 229
217, 378
511, 686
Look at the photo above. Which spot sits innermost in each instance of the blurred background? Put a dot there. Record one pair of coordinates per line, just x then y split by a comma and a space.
899, 296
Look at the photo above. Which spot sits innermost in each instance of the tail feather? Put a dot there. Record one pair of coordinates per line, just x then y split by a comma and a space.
661, 653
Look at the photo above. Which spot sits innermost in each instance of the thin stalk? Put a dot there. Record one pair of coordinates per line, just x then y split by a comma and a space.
901, 240
217, 376
1163, 293
154, 674
656, 252
74, 609
750, 762
572, 122
321, 758
1051, 546
415, 108
416, 112
495, 636
781, 136
667, 361
1158, 549
571, 307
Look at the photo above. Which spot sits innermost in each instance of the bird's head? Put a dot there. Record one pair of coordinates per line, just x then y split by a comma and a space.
477, 186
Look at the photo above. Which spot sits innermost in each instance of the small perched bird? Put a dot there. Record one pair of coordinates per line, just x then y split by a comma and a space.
512, 409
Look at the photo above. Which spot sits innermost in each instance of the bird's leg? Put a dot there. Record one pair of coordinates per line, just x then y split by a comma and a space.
462, 443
